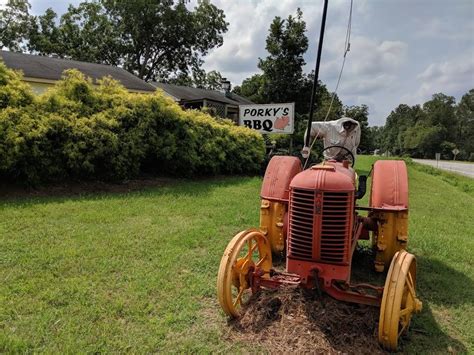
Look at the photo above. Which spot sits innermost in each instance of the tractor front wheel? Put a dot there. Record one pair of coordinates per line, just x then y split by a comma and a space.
245, 252
399, 300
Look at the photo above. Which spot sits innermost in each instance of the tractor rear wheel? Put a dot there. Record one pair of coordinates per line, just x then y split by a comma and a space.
246, 251
399, 300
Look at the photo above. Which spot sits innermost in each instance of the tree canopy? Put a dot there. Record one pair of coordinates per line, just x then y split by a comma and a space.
282, 78
201, 79
283, 67
14, 24
153, 39
438, 126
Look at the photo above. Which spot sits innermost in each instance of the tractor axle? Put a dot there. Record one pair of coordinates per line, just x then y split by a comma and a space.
361, 293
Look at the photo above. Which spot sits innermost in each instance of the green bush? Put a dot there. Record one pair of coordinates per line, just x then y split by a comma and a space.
80, 131
13, 91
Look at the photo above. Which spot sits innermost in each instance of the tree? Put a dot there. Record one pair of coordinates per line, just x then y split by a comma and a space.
84, 33
282, 79
324, 111
200, 79
439, 126
397, 123
282, 68
252, 88
423, 141
375, 137
440, 111
361, 115
14, 24
152, 39
465, 129
162, 37
210, 81
182, 79
44, 36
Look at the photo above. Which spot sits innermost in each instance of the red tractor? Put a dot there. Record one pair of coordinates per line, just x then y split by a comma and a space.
312, 216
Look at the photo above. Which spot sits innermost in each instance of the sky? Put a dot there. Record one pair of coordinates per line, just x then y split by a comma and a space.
401, 51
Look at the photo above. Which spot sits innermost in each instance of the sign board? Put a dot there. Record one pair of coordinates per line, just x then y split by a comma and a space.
438, 156
455, 152
271, 118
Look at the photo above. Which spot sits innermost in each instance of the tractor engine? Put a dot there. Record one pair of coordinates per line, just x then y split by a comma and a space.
321, 223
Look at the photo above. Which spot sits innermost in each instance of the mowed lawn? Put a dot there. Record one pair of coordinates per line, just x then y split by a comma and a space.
117, 272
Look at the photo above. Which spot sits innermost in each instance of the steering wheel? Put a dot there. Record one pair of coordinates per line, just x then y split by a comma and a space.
340, 156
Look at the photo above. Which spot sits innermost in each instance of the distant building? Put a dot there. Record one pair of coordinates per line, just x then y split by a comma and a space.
224, 104
42, 72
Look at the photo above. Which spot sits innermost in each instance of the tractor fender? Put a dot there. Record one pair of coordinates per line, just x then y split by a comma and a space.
276, 182
389, 195
389, 184
275, 194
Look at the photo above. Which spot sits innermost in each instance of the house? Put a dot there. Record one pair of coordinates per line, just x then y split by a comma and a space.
224, 104
42, 72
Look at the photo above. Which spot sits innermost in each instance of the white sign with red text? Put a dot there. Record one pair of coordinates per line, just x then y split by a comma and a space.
270, 118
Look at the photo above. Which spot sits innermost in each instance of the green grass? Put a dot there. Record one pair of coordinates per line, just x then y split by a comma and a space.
136, 271
466, 184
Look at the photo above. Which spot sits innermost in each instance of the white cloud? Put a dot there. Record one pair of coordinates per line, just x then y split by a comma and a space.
453, 77
249, 21
369, 57
442, 28
371, 69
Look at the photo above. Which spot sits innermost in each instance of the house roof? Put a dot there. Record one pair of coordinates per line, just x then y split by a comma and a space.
47, 68
186, 93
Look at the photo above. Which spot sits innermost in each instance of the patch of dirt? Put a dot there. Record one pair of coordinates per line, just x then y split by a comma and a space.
293, 320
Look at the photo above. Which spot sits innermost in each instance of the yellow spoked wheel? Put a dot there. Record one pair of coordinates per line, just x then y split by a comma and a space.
246, 251
399, 300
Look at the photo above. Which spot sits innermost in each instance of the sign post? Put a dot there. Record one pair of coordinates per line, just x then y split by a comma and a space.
269, 118
455, 152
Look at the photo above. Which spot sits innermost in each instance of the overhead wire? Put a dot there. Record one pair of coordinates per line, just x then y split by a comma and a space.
347, 48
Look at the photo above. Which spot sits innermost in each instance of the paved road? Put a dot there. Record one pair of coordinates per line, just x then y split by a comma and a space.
453, 166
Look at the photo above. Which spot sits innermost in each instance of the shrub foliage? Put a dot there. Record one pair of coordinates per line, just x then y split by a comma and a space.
77, 130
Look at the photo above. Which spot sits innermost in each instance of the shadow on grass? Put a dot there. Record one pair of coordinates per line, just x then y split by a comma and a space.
17, 195
440, 288
427, 337
443, 285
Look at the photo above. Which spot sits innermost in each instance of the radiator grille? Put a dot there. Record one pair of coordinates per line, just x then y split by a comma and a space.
301, 224
335, 227
323, 218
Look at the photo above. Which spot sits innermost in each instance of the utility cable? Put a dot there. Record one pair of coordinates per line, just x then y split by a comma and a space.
347, 48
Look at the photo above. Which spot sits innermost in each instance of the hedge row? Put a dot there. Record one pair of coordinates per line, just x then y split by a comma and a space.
77, 130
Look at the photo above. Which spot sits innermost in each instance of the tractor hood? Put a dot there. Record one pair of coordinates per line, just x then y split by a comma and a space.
328, 176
